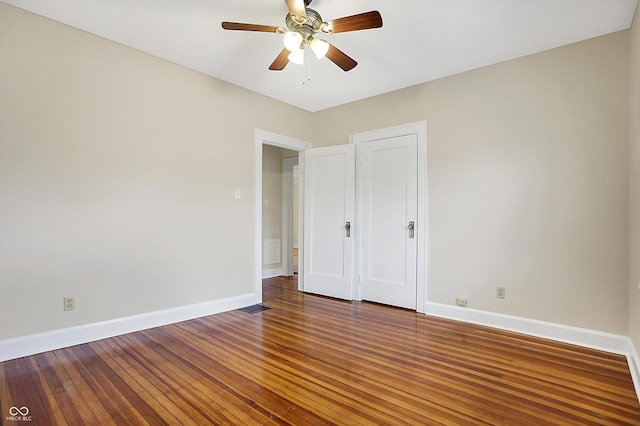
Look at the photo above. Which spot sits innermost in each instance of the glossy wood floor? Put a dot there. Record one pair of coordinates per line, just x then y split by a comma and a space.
312, 360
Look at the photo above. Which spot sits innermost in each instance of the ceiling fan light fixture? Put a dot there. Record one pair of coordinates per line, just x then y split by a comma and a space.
302, 24
296, 56
292, 40
319, 47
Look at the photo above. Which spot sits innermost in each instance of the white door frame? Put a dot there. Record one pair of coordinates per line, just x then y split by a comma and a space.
419, 129
263, 137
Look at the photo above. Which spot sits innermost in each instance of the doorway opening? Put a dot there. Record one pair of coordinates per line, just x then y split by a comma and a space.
275, 140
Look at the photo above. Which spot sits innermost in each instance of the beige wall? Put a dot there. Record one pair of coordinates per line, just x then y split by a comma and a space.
117, 178
634, 194
527, 181
271, 191
118, 170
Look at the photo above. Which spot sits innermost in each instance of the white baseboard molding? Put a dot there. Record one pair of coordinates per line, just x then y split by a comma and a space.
270, 273
593, 339
56, 339
634, 365
563, 333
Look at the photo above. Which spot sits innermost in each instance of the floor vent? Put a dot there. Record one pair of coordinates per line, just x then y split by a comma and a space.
254, 309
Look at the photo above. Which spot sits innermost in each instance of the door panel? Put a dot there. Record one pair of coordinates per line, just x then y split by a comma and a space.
328, 204
387, 175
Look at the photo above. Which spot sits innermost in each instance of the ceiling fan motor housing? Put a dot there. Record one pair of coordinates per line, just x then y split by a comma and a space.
308, 27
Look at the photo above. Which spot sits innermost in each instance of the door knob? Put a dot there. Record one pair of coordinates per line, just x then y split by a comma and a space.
347, 227
411, 227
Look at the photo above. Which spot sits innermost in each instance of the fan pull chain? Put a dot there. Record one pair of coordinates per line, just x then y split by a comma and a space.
306, 65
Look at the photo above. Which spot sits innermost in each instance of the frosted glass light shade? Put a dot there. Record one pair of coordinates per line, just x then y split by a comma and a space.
319, 47
296, 56
292, 40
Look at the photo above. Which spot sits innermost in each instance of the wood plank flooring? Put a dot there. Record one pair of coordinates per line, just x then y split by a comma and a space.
312, 360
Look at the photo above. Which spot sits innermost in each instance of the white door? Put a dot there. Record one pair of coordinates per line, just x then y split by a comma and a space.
388, 211
329, 197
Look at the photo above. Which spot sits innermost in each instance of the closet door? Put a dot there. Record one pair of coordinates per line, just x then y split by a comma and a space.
388, 207
329, 196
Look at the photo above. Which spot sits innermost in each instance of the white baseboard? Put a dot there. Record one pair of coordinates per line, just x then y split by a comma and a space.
563, 333
634, 365
56, 339
608, 342
270, 273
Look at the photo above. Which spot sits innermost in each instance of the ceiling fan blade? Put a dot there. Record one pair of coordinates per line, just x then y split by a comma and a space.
340, 58
362, 21
297, 9
238, 26
281, 61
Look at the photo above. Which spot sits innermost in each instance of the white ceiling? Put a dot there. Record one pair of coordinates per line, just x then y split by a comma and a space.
421, 40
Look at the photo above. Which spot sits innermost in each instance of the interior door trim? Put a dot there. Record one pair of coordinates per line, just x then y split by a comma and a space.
421, 227
267, 138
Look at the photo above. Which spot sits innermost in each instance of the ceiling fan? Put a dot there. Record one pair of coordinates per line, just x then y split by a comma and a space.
303, 24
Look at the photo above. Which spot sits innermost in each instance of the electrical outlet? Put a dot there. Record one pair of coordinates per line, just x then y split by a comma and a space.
500, 292
461, 302
69, 303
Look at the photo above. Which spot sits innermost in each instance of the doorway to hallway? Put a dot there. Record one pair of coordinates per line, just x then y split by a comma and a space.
262, 138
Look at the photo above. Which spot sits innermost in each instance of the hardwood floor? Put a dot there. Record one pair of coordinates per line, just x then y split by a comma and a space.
312, 360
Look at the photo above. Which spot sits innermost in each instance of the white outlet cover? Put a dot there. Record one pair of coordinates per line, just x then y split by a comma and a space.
69, 303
